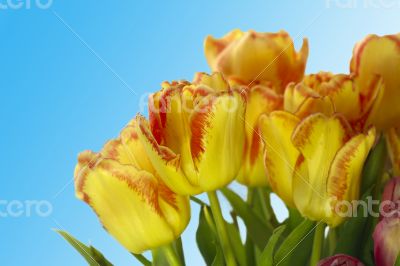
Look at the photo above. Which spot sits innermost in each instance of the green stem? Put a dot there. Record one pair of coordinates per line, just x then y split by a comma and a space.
266, 207
317, 244
332, 238
172, 256
221, 228
179, 247
250, 195
250, 248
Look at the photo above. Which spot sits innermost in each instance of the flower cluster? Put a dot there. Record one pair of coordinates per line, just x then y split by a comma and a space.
314, 140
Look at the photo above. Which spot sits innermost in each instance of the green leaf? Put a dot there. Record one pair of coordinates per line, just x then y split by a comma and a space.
374, 166
261, 206
89, 253
250, 250
352, 232
294, 219
267, 256
219, 259
237, 245
397, 263
206, 237
179, 249
256, 228
300, 240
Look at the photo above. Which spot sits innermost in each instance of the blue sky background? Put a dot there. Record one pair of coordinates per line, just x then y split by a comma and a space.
73, 75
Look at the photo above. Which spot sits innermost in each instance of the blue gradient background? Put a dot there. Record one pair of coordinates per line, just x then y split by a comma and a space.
58, 98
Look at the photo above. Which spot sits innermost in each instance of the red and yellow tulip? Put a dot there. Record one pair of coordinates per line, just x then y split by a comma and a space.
310, 170
195, 138
374, 57
328, 93
280, 154
329, 167
252, 57
124, 190
259, 100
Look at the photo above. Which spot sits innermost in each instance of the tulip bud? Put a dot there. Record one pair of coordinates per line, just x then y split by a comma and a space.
340, 260
387, 241
132, 203
390, 202
249, 57
379, 56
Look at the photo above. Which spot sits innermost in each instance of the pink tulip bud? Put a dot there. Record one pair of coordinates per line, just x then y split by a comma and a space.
387, 241
390, 203
340, 260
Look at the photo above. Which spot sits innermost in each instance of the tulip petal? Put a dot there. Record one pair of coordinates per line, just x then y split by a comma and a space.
125, 200
280, 154
387, 241
312, 105
295, 95
325, 93
127, 149
217, 139
213, 47
250, 57
166, 162
380, 56
390, 199
344, 95
170, 118
215, 81
340, 260
260, 100
312, 168
345, 173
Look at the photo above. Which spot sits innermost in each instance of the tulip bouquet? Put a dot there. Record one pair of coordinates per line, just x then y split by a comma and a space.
327, 144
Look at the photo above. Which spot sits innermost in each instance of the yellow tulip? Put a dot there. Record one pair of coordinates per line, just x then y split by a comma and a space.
195, 138
259, 99
393, 144
379, 56
132, 203
251, 57
327, 93
280, 154
329, 168
316, 163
